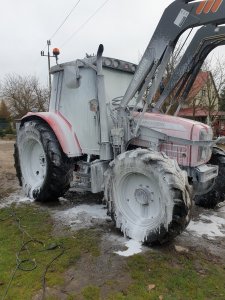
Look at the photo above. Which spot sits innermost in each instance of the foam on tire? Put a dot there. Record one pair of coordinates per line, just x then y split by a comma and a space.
177, 194
59, 166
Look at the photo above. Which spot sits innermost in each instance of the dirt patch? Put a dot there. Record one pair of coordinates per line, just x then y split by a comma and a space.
107, 271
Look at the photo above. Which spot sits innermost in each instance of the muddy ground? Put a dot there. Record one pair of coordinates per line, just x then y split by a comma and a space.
206, 232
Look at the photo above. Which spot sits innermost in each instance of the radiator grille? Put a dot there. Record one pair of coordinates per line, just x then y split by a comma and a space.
180, 153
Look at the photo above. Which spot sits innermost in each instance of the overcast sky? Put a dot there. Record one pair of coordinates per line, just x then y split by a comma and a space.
123, 26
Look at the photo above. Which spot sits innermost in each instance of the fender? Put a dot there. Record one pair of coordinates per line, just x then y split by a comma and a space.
62, 129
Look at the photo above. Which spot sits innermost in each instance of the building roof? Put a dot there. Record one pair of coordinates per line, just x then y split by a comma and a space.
199, 112
201, 79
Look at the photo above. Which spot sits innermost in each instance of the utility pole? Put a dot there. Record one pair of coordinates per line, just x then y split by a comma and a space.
49, 65
56, 52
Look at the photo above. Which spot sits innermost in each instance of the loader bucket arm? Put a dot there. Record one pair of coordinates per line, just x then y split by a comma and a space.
205, 40
177, 18
192, 76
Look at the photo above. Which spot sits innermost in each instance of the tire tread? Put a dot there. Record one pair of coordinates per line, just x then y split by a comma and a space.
59, 170
168, 169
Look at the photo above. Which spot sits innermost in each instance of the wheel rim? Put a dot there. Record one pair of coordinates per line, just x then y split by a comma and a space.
139, 200
34, 164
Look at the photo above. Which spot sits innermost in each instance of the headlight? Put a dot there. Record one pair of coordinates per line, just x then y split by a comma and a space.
205, 152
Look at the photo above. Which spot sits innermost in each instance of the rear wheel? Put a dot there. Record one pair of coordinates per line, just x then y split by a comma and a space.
44, 170
217, 194
148, 196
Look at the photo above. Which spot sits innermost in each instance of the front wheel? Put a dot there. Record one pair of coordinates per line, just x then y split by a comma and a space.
43, 169
148, 196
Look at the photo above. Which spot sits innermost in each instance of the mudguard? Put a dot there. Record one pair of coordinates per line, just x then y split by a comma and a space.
62, 129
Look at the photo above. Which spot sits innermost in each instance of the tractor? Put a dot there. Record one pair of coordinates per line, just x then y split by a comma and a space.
102, 133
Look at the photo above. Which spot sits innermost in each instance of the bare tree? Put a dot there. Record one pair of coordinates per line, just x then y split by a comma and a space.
222, 99
4, 118
23, 94
4, 112
212, 80
171, 66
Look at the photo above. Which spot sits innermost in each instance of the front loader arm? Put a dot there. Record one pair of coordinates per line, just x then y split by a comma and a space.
192, 76
205, 40
189, 79
177, 18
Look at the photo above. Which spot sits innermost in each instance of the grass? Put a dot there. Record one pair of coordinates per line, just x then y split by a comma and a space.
176, 276
91, 292
39, 225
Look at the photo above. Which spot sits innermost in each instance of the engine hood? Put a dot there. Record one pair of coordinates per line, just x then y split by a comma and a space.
174, 126
186, 141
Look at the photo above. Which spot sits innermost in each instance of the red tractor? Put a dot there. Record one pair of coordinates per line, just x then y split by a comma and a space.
98, 136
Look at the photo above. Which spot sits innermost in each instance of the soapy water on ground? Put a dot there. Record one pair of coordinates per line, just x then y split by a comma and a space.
209, 223
84, 216
14, 199
133, 247
210, 226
